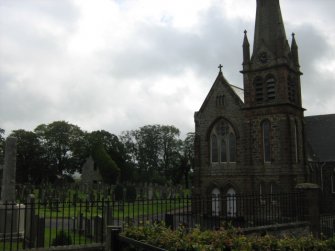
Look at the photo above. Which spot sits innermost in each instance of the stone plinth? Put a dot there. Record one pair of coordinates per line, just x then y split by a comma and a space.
11, 221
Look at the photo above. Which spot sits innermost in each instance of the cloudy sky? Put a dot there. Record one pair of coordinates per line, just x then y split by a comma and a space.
121, 64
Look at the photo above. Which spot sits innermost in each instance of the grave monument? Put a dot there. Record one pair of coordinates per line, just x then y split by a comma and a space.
11, 213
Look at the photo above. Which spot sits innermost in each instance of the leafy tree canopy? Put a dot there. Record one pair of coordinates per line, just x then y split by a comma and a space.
32, 165
155, 150
65, 145
115, 149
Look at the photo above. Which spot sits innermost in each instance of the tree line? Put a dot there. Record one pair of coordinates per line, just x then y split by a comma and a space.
54, 152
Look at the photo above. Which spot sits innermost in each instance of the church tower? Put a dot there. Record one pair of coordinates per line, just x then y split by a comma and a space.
251, 140
272, 102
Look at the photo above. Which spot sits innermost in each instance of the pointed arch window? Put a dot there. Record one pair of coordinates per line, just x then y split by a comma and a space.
271, 88
232, 146
262, 192
258, 84
266, 129
214, 145
295, 143
223, 143
223, 150
220, 100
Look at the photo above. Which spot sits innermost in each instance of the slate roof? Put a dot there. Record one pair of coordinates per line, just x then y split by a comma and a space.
239, 91
320, 135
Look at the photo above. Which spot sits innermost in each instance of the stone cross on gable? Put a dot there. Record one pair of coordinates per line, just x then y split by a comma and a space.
9, 170
220, 67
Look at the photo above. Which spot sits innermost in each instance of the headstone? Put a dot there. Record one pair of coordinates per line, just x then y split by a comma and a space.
169, 193
80, 223
29, 233
42, 196
106, 192
88, 228
98, 228
164, 193
150, 192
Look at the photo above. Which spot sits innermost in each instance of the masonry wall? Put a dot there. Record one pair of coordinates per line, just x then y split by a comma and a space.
220, 175
90, 174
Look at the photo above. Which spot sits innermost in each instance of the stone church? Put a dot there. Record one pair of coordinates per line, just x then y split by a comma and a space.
254, 140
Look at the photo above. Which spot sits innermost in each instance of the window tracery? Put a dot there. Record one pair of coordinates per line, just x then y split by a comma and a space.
223, 143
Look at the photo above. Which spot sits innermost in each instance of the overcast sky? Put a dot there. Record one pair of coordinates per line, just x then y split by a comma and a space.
120, 64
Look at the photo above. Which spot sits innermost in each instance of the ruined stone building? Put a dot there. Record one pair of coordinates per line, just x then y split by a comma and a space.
90, 172
256, 139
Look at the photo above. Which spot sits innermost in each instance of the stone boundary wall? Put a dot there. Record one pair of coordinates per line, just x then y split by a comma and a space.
85, 247
297, 229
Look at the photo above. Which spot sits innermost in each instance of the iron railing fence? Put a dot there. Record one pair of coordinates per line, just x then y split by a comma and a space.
242, 210
49, 223
327, 225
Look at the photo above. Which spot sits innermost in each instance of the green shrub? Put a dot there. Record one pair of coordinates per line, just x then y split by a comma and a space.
131, 194
62, 239
224, 239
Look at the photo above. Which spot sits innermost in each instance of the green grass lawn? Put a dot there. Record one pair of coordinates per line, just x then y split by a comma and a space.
119, 210
49, 235
123, 212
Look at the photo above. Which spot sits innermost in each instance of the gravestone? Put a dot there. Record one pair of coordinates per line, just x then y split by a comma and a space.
164, 194
150, 192
98, 228
10, 211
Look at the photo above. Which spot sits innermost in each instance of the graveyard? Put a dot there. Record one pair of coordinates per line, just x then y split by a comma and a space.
255, 174
85, 215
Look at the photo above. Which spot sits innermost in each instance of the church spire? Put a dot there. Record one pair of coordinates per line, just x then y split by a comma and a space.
294, 51
246, 49
269, 29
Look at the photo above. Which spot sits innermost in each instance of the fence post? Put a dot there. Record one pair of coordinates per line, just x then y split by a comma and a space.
30, 224
112, 238
169, 221
311, 205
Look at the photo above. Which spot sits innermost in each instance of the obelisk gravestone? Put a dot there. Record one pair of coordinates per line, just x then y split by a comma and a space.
12, 215
9, 171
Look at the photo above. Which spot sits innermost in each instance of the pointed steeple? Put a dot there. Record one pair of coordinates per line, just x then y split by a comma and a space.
269, 29
246, 49
294, 51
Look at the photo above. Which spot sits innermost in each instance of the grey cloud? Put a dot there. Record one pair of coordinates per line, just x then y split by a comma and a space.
95, 92
156, 50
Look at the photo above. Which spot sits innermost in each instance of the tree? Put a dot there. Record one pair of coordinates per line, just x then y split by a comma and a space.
115, 149
187, 158
65, 146
154, 149
31, 165
142, 147
107, 167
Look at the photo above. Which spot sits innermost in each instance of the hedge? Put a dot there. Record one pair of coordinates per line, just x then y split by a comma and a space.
224, 239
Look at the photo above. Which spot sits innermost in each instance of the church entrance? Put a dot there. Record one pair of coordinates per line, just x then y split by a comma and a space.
231, 202
215, 202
